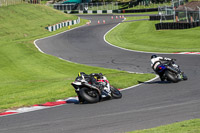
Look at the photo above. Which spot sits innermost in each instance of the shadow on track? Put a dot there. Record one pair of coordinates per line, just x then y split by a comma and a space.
154, 82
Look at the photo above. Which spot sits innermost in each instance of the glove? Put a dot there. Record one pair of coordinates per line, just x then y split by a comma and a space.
168, 59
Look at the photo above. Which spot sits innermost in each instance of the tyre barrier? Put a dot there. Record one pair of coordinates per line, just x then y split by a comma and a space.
62, 24
158, 17
140, 10
176, 25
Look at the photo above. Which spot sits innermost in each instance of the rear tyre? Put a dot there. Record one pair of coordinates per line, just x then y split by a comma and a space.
162, 78
115, 93
81, 100
171, 76
88, 95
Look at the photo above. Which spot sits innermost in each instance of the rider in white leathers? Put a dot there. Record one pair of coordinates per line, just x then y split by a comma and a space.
156, 61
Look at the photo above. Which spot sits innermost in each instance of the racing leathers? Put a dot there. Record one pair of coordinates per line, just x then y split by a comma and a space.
156, 62
92, 78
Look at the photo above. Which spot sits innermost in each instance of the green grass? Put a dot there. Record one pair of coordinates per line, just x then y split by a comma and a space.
19, 23
189, 126
136, 18
143, 36
29, 77
193, 0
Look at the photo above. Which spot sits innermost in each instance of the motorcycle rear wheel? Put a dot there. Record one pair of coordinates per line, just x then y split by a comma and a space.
115, 93
90, 96
171, 76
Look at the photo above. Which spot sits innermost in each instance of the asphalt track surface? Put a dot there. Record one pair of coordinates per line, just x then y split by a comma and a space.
148, 105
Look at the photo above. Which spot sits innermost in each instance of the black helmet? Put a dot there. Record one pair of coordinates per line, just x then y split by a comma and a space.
154, 56
81, 73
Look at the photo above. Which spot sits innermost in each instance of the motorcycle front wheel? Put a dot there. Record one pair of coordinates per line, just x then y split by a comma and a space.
184, 76
89, 95
115, 93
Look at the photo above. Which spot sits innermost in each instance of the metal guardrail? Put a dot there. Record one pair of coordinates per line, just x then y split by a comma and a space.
87, 6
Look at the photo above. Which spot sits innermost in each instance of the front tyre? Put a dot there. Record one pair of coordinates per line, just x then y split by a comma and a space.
184, 76
90, 96
115, 93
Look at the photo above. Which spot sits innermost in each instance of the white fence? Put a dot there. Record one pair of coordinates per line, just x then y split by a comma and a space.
14, 2
9, 2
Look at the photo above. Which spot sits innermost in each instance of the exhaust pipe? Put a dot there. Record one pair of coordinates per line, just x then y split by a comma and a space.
93, 87
172, 70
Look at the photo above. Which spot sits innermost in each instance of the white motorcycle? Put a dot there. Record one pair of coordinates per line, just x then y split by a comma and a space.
90, 92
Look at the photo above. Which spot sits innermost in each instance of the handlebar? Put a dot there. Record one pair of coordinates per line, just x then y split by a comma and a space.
168, 60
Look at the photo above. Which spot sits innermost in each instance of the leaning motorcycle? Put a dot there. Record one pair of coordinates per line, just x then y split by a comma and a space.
171, 72
91, 93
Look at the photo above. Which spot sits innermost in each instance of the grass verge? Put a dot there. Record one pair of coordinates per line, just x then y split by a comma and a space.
143, 36
29, 77
189, 126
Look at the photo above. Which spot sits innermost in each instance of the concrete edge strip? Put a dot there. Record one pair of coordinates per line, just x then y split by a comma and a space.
40, 106
188, 53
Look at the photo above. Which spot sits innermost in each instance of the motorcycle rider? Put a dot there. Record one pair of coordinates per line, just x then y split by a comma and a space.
92, 78
156, 61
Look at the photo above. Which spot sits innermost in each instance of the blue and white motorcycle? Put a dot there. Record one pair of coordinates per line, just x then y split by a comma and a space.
170, 71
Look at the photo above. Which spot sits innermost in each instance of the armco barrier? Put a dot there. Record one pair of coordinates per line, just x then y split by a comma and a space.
111, 11
62, 24
175, 25
89, 12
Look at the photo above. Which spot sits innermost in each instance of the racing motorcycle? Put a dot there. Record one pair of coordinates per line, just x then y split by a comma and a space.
171, 72
90, 93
